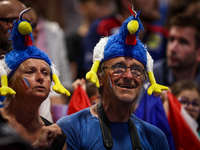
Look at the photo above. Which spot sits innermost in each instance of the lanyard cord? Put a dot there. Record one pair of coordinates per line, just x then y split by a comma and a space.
106, 133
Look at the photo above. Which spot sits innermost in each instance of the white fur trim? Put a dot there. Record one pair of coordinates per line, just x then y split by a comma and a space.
3, 67
99, 49
150, 61
54, 70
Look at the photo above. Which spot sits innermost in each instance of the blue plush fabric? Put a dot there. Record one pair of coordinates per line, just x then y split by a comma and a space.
83, 132
116, 45
20, 53
150, 109
1, 101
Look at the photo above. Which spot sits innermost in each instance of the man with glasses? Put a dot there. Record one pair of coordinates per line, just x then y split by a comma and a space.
9, 11
183, 51
121, 62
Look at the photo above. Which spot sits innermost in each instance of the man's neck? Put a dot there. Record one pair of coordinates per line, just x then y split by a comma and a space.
117, 111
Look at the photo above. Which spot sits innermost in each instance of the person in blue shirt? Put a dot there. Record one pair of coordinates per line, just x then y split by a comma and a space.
119, 70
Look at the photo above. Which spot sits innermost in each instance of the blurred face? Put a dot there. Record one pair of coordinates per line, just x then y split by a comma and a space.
32, 78
190, 100
150, 9
181, 48
11, 10
93, 9
122, 87
34, 20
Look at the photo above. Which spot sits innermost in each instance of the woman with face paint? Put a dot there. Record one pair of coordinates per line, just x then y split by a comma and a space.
26, 78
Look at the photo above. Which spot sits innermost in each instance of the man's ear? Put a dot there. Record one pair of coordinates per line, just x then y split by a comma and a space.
144, 78
100, 78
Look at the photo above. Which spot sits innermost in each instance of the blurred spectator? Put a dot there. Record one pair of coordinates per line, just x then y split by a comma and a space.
154, 36
92, 92
72, 16
89, 10
10, 140
183, 52
164, 70
165, 112
183, 6
89, 88
85, 94
9, 11
188, 94
164, 9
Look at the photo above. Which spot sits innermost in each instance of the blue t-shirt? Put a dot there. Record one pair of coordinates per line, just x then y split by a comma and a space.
83, 132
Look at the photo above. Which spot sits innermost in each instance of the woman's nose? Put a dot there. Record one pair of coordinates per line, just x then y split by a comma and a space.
40, 77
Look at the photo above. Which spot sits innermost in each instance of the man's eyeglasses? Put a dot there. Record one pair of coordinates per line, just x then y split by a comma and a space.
185, 101
33, 25
10, 22
120, 68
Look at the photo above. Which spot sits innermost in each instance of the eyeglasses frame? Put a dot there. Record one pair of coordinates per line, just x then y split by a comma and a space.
112, 66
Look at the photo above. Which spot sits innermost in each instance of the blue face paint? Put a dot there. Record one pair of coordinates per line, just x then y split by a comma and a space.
25, 83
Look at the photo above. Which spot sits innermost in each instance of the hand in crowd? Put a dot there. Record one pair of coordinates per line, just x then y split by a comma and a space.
47, 135
79, 82
164, 98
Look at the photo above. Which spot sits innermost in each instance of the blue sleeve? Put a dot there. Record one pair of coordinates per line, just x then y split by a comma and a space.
73, 139
150, 136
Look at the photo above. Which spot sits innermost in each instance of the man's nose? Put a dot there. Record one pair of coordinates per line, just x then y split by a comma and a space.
128, 73
173, 46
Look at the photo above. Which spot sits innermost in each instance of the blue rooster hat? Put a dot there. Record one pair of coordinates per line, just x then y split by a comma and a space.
24, 49
125, 43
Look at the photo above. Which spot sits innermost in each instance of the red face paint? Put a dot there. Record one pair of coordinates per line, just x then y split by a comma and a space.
111, 82
25, 83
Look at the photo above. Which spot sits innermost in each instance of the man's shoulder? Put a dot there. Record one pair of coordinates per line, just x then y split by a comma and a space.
145, 127
150, 136
76, 118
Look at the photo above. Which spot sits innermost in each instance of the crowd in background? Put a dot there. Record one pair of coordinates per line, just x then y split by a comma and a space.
68, 30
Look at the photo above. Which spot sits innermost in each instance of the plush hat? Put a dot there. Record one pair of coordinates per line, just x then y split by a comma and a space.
24, 49
125, 43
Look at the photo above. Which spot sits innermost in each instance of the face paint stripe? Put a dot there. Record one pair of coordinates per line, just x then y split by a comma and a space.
25, 83
111, 82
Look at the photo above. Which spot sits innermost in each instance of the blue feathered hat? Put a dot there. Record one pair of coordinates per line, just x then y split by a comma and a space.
23, 49
125, 43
